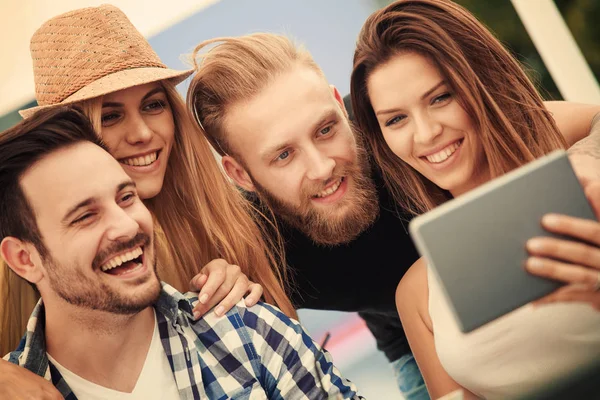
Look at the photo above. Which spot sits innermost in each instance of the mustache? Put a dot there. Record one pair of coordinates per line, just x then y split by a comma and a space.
139, 240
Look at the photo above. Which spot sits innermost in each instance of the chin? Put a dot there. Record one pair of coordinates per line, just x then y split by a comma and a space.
148, 190
147, 293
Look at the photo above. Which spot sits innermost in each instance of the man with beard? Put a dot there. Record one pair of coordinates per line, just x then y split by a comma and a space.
72, 224
284, 135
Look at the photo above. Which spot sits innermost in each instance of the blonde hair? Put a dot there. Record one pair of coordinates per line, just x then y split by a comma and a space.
201, 216
234, 71
506, 110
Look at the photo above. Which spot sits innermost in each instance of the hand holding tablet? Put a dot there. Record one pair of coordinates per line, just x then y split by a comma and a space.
577, 264
476, 243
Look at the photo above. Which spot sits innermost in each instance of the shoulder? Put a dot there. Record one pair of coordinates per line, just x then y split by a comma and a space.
264, 316
259, 318
414, 281
412, 294
269, 329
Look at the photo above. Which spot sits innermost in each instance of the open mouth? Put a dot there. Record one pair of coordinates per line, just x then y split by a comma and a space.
141, 161
445, 153
124, 263
331, 190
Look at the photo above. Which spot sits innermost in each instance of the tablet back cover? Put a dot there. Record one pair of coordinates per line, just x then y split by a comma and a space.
476, 242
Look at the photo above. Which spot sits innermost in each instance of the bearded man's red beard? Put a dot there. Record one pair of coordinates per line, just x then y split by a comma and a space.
338, 223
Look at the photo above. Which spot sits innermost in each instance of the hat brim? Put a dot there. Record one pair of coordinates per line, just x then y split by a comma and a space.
114, 82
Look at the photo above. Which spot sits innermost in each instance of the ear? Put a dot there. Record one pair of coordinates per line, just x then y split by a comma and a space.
338, 98
237, 172
20, 258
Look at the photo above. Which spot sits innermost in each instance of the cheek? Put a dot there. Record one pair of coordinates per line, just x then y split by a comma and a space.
290, 183
112, 138
166, 127
286, 183
347, 147
399, 143
142, 216
75, 252
456, 117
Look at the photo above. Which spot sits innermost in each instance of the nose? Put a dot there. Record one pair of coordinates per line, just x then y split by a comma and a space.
426, 128
121, 226
138, 131
320, 165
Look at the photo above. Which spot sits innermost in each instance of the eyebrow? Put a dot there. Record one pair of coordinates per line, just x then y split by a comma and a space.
425, 95
158, 89
91, 200
327, 115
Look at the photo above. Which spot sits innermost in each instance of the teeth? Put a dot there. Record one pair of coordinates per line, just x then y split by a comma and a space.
141, 161
443, 154
120, 259
331, 190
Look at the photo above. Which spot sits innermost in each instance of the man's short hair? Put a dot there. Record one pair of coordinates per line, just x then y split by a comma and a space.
20, 148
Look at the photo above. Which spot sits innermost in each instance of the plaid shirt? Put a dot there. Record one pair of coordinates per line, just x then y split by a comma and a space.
250, 353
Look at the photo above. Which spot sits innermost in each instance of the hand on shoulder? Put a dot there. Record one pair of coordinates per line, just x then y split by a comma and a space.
221, 286
19, 384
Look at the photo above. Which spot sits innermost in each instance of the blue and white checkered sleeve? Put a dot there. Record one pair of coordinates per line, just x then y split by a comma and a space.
290, 358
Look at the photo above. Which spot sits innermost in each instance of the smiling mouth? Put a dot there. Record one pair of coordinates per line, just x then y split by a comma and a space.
331, 190
444, 154
141, 161
124, 263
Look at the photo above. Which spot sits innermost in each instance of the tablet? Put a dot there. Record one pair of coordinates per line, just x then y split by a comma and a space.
475, 244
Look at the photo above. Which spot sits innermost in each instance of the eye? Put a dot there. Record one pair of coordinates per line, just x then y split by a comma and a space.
325, 131
441, 98
127, 198
110, 118
395, 120
81, 219
155, 106
283, 156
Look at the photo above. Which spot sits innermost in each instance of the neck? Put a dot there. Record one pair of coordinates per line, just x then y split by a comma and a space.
104, 348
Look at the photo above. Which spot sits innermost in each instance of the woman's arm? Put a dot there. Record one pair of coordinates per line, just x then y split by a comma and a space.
580, 125
20, 384
224, 284
412, 299
574, 120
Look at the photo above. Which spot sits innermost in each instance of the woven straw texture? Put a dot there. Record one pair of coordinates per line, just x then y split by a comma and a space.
89, 52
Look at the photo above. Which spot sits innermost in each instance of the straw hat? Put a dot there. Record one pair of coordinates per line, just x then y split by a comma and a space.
90, 52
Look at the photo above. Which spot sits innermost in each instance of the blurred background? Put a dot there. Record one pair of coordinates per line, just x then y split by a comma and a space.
328, 28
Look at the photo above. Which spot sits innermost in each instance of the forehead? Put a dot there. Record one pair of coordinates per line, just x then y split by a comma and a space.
132, 93
67, 176
400, 79
288, 106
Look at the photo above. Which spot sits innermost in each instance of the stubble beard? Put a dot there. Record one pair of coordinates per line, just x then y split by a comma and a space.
78, 289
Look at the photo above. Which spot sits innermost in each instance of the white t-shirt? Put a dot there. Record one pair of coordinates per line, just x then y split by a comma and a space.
156, 381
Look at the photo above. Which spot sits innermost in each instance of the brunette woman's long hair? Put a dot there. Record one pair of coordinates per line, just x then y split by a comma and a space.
506, 110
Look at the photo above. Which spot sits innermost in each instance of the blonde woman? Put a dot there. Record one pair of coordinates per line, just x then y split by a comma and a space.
104, 66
